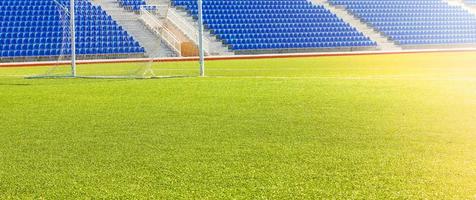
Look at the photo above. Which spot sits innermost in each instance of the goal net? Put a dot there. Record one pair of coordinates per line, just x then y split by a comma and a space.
136, 39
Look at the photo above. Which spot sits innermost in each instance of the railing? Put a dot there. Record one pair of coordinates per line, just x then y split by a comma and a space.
159, 28
189, 30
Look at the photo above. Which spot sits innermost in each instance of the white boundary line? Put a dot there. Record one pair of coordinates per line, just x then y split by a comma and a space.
363, 78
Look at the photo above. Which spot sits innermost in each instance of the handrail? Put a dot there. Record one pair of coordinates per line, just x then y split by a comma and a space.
160, 29
190, 31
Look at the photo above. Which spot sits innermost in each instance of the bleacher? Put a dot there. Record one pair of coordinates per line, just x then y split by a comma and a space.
39, 29
416, 22
275, 24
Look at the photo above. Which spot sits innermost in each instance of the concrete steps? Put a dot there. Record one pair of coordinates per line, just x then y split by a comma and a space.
383, 42
216, 46
130, 22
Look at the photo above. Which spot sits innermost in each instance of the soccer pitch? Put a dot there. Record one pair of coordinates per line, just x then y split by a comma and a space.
353, 127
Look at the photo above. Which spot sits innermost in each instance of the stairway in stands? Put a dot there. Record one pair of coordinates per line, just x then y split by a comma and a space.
215, 46
184, 23
417, 24
383, 42
130, 22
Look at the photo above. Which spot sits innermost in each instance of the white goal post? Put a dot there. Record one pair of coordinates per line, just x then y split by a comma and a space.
200, 38
72, 32
73, 37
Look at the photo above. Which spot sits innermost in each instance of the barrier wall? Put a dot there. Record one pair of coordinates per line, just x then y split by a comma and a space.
240, 57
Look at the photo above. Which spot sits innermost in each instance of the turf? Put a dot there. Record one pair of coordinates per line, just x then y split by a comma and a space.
361, 127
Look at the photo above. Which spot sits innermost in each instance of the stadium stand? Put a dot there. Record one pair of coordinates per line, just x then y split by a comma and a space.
275, 24
416, 22
36, 29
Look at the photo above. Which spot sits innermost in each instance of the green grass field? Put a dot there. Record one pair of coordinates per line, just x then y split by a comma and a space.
355, 127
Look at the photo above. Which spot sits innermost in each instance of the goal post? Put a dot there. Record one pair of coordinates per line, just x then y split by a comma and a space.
77, 31
73, 37
200, 38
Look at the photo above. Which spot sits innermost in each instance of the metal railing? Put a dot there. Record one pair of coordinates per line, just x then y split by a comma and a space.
189, 30
159, 28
